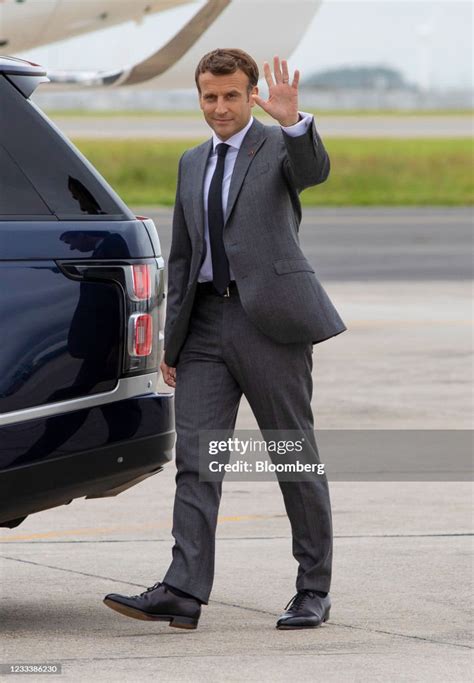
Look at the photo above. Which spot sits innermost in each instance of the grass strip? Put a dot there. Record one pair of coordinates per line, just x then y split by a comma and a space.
364, 172
196, 113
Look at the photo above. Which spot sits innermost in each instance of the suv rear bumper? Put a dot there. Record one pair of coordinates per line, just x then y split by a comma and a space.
102, 469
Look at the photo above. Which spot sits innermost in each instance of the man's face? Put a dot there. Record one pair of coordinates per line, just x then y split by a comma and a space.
226, 102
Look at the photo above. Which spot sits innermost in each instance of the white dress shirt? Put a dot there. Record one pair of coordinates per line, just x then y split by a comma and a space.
234, 142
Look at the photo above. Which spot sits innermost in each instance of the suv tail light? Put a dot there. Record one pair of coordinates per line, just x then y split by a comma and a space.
140, 334
143, 295
142, 284
141, 281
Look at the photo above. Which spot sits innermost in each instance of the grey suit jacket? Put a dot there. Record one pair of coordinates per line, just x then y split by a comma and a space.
278, 288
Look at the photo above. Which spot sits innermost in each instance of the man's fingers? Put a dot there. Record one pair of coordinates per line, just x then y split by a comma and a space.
169, 374
268, 74
258, 100
284, 71
277, 69
169, 379
296, 79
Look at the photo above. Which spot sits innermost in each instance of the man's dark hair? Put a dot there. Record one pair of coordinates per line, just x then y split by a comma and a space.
222, 62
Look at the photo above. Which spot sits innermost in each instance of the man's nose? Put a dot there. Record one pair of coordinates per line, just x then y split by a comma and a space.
221, 106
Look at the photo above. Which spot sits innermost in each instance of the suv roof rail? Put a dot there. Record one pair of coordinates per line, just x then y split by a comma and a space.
25, 76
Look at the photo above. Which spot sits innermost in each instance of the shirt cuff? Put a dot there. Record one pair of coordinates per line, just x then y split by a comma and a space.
299, 128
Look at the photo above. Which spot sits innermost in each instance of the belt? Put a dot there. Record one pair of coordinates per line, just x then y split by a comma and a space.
207, 288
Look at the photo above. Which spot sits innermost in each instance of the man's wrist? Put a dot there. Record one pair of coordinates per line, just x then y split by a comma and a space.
287, 123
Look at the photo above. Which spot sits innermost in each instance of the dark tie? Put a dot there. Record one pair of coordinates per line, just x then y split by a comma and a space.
215, 214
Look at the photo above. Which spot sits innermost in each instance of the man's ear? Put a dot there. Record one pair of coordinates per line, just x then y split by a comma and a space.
254, 92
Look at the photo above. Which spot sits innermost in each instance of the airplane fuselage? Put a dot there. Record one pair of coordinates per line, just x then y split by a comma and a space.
33, 23
262, 27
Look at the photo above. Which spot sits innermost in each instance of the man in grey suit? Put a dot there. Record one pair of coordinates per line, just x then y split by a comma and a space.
243, 312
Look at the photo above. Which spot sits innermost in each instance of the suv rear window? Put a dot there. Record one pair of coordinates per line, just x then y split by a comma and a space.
64, 179
17, 194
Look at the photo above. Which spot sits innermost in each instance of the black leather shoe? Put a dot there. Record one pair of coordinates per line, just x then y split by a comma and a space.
157, 603
305, 610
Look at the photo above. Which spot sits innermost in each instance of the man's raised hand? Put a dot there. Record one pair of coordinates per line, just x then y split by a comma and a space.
282, 103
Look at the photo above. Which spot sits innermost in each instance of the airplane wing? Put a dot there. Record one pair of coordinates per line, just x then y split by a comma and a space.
159, 62
218, 23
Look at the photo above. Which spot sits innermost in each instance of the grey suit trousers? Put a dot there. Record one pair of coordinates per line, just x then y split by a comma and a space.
223, 357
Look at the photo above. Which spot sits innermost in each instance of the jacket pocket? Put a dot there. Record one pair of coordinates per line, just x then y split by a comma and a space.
292, 265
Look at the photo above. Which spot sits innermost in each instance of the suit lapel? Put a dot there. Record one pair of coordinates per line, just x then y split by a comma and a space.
250, 145
198, 186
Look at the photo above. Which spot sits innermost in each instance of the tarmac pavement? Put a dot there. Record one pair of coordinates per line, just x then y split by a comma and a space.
402, 585
194, 127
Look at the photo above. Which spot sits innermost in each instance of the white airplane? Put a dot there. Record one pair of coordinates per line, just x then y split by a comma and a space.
259, 26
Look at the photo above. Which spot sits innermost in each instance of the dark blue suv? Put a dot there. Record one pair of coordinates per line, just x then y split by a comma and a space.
81, 308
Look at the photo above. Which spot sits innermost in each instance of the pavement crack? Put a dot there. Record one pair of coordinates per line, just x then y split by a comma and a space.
255, 610
402, 635
70, 571
235, 538
194, 655
333, 623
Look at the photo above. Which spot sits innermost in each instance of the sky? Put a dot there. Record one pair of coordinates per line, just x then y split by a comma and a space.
430, 42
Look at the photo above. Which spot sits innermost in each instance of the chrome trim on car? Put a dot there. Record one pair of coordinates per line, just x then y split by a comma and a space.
127, 387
